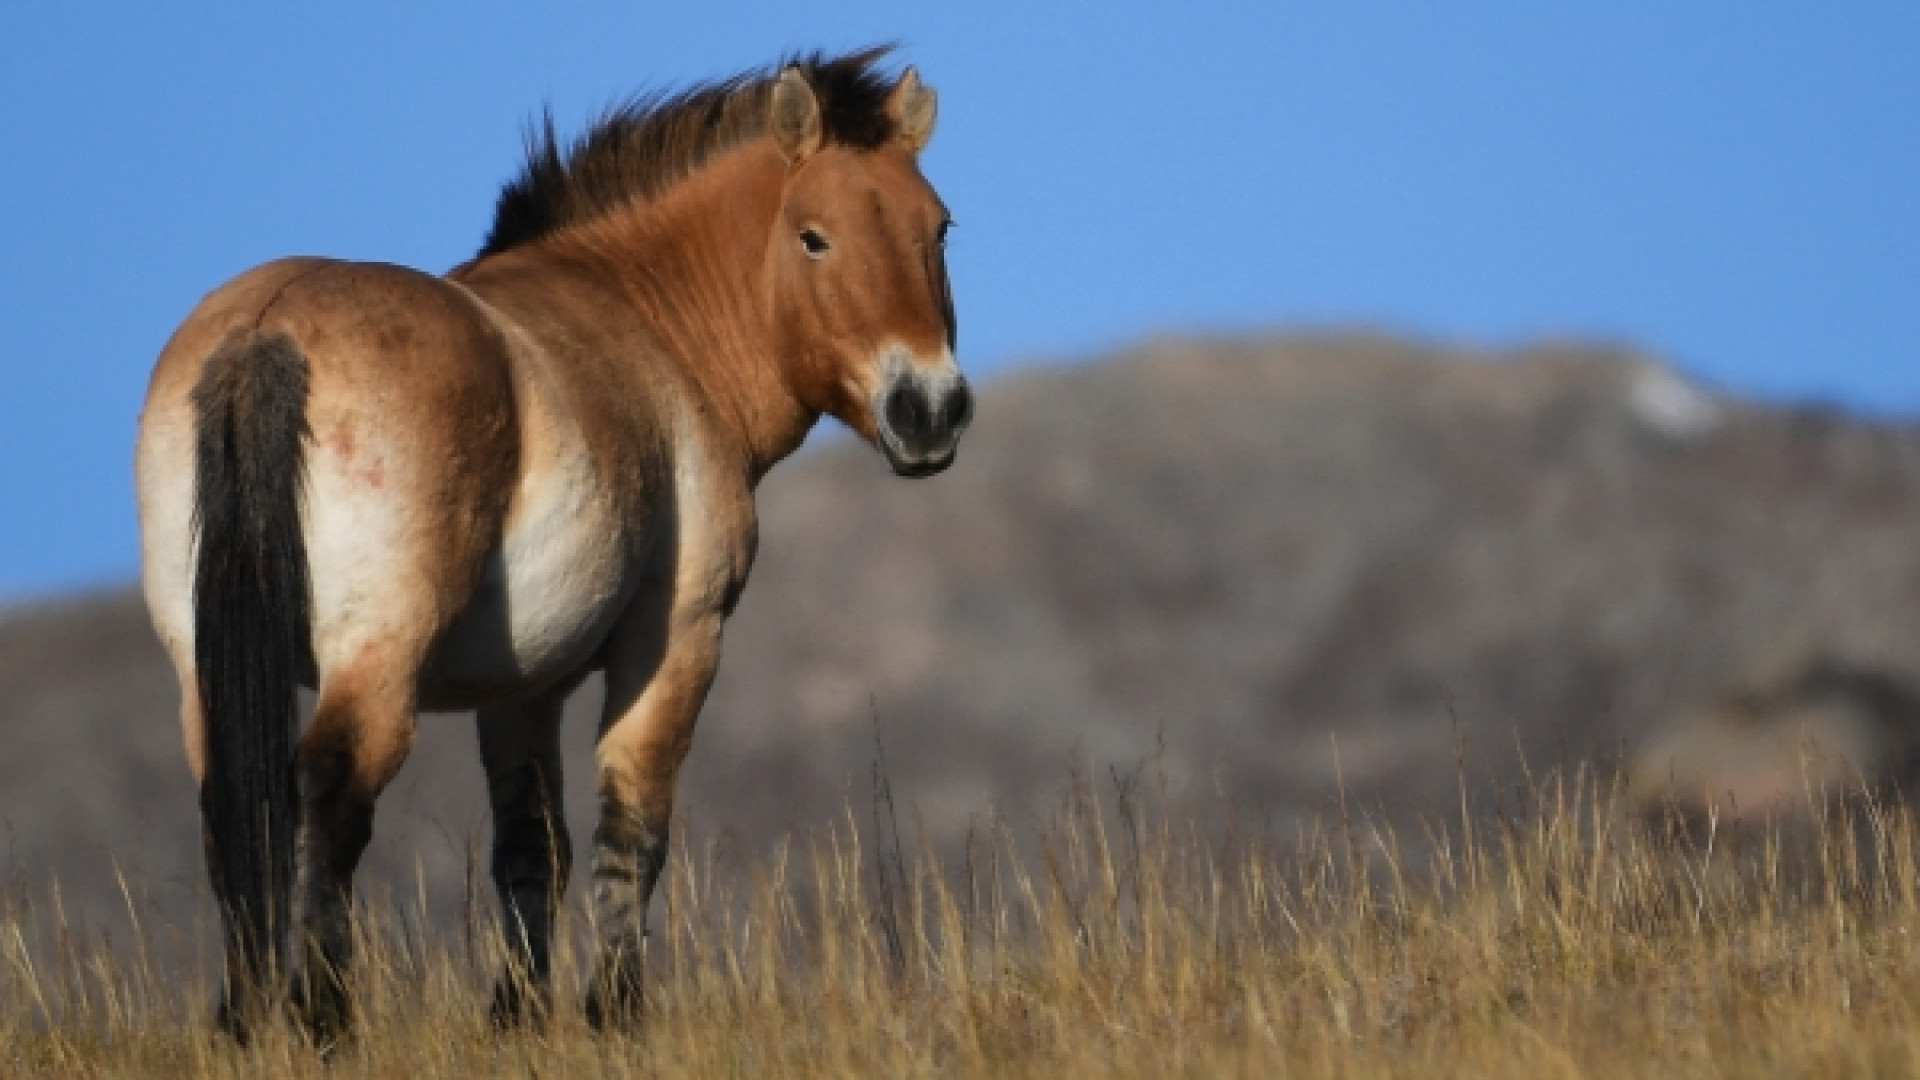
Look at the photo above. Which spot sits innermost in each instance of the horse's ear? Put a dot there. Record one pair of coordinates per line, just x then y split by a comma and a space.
796, 116
912, 106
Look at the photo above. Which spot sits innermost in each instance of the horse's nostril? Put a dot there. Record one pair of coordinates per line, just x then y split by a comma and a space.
906, 410
959, 410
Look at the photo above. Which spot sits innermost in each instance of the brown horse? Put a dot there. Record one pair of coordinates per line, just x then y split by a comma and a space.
471, 491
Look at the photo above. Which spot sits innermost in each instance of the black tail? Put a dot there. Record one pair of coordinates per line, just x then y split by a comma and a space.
251, 633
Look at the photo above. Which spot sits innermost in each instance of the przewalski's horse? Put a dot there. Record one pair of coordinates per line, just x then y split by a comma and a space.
411, 492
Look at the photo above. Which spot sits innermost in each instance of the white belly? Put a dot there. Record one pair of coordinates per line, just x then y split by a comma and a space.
544, 605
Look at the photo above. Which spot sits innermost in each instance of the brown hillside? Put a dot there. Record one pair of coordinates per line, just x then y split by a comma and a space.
1224, 554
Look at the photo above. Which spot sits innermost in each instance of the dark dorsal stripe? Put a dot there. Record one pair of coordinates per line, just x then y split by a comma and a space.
640, 148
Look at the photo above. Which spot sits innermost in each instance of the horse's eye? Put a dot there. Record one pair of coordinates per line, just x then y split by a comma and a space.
815, 244
941, 236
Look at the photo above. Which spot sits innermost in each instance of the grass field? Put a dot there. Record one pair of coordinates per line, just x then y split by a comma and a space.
1557, 939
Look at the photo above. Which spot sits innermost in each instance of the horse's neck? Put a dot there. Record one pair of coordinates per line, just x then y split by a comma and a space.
693, 262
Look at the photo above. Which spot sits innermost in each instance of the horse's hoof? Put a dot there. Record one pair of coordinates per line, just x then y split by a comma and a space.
325, 1012
231, 1020
615, 1004
516, 1004
611, 1016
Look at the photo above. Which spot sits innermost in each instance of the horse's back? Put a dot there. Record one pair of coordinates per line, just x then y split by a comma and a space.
410, 464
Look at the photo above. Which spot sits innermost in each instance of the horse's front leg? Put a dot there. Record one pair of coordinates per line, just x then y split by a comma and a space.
520, 747
656, 683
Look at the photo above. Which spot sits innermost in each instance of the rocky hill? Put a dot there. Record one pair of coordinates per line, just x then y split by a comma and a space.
1272, 569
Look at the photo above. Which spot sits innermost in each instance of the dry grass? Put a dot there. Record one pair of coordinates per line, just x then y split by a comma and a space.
1561, 940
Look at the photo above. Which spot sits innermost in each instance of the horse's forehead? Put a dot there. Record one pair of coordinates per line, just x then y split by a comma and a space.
887, 177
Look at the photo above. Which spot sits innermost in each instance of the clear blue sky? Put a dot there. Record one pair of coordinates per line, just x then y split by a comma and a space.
1735, 186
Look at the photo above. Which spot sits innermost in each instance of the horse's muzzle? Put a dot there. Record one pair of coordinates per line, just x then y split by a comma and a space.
921, 421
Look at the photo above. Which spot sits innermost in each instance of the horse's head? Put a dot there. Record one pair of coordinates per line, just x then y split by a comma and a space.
858, 266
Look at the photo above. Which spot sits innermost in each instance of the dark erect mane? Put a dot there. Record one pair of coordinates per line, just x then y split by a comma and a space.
639, 148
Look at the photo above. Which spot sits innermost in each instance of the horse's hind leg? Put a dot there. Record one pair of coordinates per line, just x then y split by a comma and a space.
520, 747
362, 728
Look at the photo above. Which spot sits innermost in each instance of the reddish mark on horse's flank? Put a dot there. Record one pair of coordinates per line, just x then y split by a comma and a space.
366, 469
